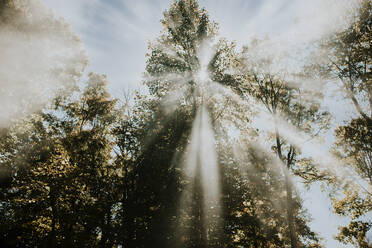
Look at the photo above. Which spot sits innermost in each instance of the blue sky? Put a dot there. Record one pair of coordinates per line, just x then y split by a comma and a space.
115, 34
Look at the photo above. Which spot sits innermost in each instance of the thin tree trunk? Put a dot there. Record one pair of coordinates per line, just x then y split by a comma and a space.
288, 186
370, 97
130, 205
290, 211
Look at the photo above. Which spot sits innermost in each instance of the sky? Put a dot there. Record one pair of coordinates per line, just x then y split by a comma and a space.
116, 33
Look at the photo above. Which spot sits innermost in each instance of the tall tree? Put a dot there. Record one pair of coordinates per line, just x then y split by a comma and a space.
253, 77
62, 172
174, 68
346, 57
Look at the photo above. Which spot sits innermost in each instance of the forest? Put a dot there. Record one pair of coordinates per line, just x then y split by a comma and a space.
212, 154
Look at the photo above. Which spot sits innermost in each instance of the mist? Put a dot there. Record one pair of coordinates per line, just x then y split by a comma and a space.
42, 59
285, 28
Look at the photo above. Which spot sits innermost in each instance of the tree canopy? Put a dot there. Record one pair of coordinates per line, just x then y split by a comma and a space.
184, 165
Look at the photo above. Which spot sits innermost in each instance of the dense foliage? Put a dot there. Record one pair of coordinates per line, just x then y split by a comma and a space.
92, 171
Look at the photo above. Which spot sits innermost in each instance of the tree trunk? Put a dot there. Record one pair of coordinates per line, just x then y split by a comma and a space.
290, 211
128, 213
370, 97
288, 186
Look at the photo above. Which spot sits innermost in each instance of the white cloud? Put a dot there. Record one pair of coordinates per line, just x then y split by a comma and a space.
115, 34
